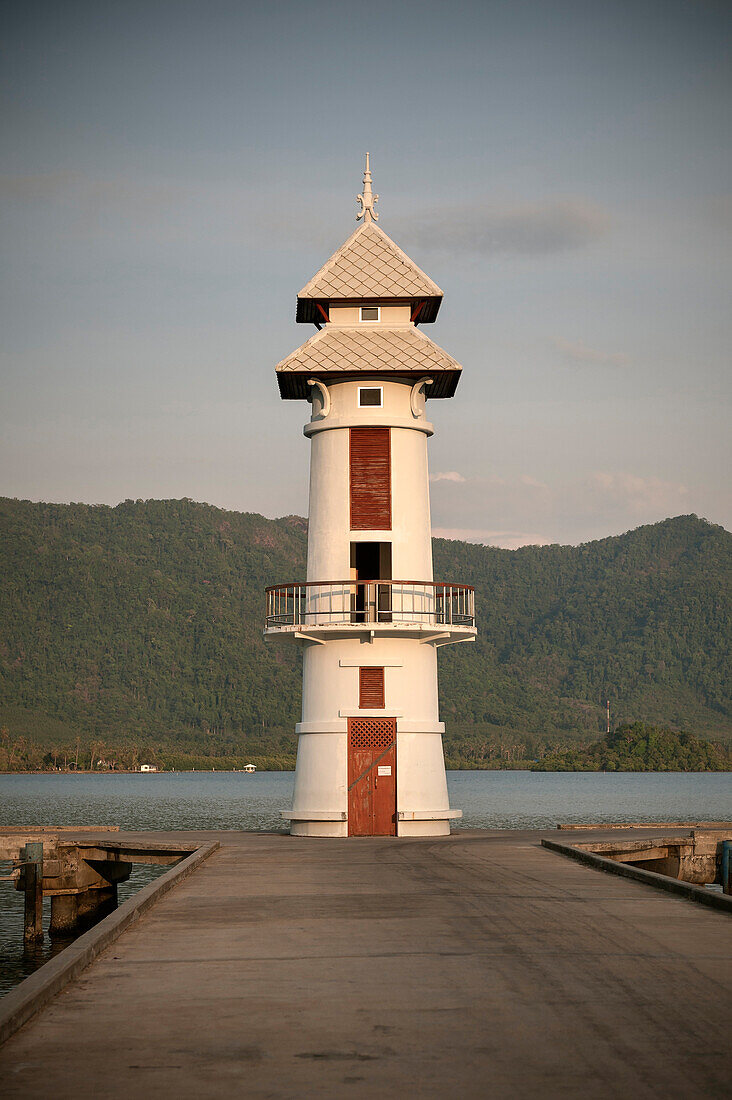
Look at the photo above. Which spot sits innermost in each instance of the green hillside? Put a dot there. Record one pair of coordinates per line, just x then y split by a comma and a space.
644, 619
139, 629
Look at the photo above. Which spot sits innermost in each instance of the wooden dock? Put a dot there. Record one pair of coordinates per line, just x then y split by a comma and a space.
477, 965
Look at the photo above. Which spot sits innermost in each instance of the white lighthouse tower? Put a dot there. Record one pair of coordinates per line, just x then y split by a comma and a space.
369, 615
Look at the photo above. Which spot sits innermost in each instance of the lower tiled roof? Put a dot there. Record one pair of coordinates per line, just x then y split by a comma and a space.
345, 351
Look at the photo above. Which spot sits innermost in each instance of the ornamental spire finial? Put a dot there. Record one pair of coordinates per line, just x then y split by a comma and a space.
366, 198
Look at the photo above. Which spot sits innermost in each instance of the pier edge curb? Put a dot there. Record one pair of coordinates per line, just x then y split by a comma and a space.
688, 890
23, 1002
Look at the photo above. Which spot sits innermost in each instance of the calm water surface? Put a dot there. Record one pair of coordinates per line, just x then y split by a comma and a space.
234, 800
226, 800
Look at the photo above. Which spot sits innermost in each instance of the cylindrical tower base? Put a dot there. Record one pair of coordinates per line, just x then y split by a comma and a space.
322, 829
423, 828
323, 804
320, 803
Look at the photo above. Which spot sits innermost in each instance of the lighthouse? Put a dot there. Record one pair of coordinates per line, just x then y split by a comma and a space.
369, 615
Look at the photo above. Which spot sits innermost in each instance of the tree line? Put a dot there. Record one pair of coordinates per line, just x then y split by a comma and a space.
139, 629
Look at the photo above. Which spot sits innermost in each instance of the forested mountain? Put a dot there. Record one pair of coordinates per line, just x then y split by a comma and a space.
139, 629
644, 619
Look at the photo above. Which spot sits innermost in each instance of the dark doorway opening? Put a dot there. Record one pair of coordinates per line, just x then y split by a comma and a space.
371, 564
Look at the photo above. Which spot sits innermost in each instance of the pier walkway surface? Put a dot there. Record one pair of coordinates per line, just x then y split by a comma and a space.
476, 965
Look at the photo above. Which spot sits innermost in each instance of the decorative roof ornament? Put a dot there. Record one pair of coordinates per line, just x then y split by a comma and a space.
367, 199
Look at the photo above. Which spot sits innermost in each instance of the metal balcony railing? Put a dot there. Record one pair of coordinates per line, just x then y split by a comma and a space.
353, 603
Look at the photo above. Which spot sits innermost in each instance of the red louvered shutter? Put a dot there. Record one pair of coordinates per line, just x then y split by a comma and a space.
370, 461
371, 689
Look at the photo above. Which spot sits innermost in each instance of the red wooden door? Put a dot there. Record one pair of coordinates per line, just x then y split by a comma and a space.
372, 776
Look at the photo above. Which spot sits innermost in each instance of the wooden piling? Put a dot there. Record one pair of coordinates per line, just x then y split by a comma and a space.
726, 869
32, 855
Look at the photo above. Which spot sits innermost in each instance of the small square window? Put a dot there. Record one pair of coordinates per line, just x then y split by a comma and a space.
370, 313
370, 398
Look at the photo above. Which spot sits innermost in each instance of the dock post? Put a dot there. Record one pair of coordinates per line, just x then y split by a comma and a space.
32, 856
727, 866
64, 916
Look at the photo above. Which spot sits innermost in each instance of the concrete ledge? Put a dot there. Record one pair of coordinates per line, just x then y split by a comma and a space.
337, 725
428, 815
314, 815
37, 990
382, 712
686, 890
12, 830
136, 846
606, 826
332, 423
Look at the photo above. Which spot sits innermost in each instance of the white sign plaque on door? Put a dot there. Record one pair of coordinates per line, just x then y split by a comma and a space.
384, 769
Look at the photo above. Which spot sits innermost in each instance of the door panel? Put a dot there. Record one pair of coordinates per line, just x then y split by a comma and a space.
372, 776
384, 780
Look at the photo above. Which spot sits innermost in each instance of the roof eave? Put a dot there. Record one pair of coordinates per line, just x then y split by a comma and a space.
293, 385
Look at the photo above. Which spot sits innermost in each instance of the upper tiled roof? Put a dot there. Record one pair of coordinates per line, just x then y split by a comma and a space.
369, 265
400, 350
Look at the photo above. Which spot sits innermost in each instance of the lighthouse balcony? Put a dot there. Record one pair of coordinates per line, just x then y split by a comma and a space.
413, 607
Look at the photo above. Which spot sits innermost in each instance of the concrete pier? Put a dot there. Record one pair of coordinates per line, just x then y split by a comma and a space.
476, 965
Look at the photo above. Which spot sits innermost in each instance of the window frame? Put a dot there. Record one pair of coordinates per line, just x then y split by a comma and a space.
369, 320
380, 390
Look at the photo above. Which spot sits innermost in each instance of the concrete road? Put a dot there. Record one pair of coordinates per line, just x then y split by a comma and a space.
479, 965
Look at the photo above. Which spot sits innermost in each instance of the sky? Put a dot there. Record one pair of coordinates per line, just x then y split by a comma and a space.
173, 172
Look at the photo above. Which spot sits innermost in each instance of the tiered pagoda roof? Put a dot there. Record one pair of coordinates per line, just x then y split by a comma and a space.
369, 268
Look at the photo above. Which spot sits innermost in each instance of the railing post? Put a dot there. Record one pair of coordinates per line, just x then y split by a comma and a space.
32, 856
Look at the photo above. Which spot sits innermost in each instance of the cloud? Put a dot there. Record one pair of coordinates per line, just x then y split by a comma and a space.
118, 192
580, 353
522, 509
639, 494
504, 540
449, 475
33, 187
717, 211
525, 229
163, 211
499, 511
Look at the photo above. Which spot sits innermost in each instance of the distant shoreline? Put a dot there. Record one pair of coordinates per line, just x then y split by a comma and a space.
291, 771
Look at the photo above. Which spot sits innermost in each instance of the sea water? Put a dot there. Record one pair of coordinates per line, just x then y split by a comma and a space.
236, 800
